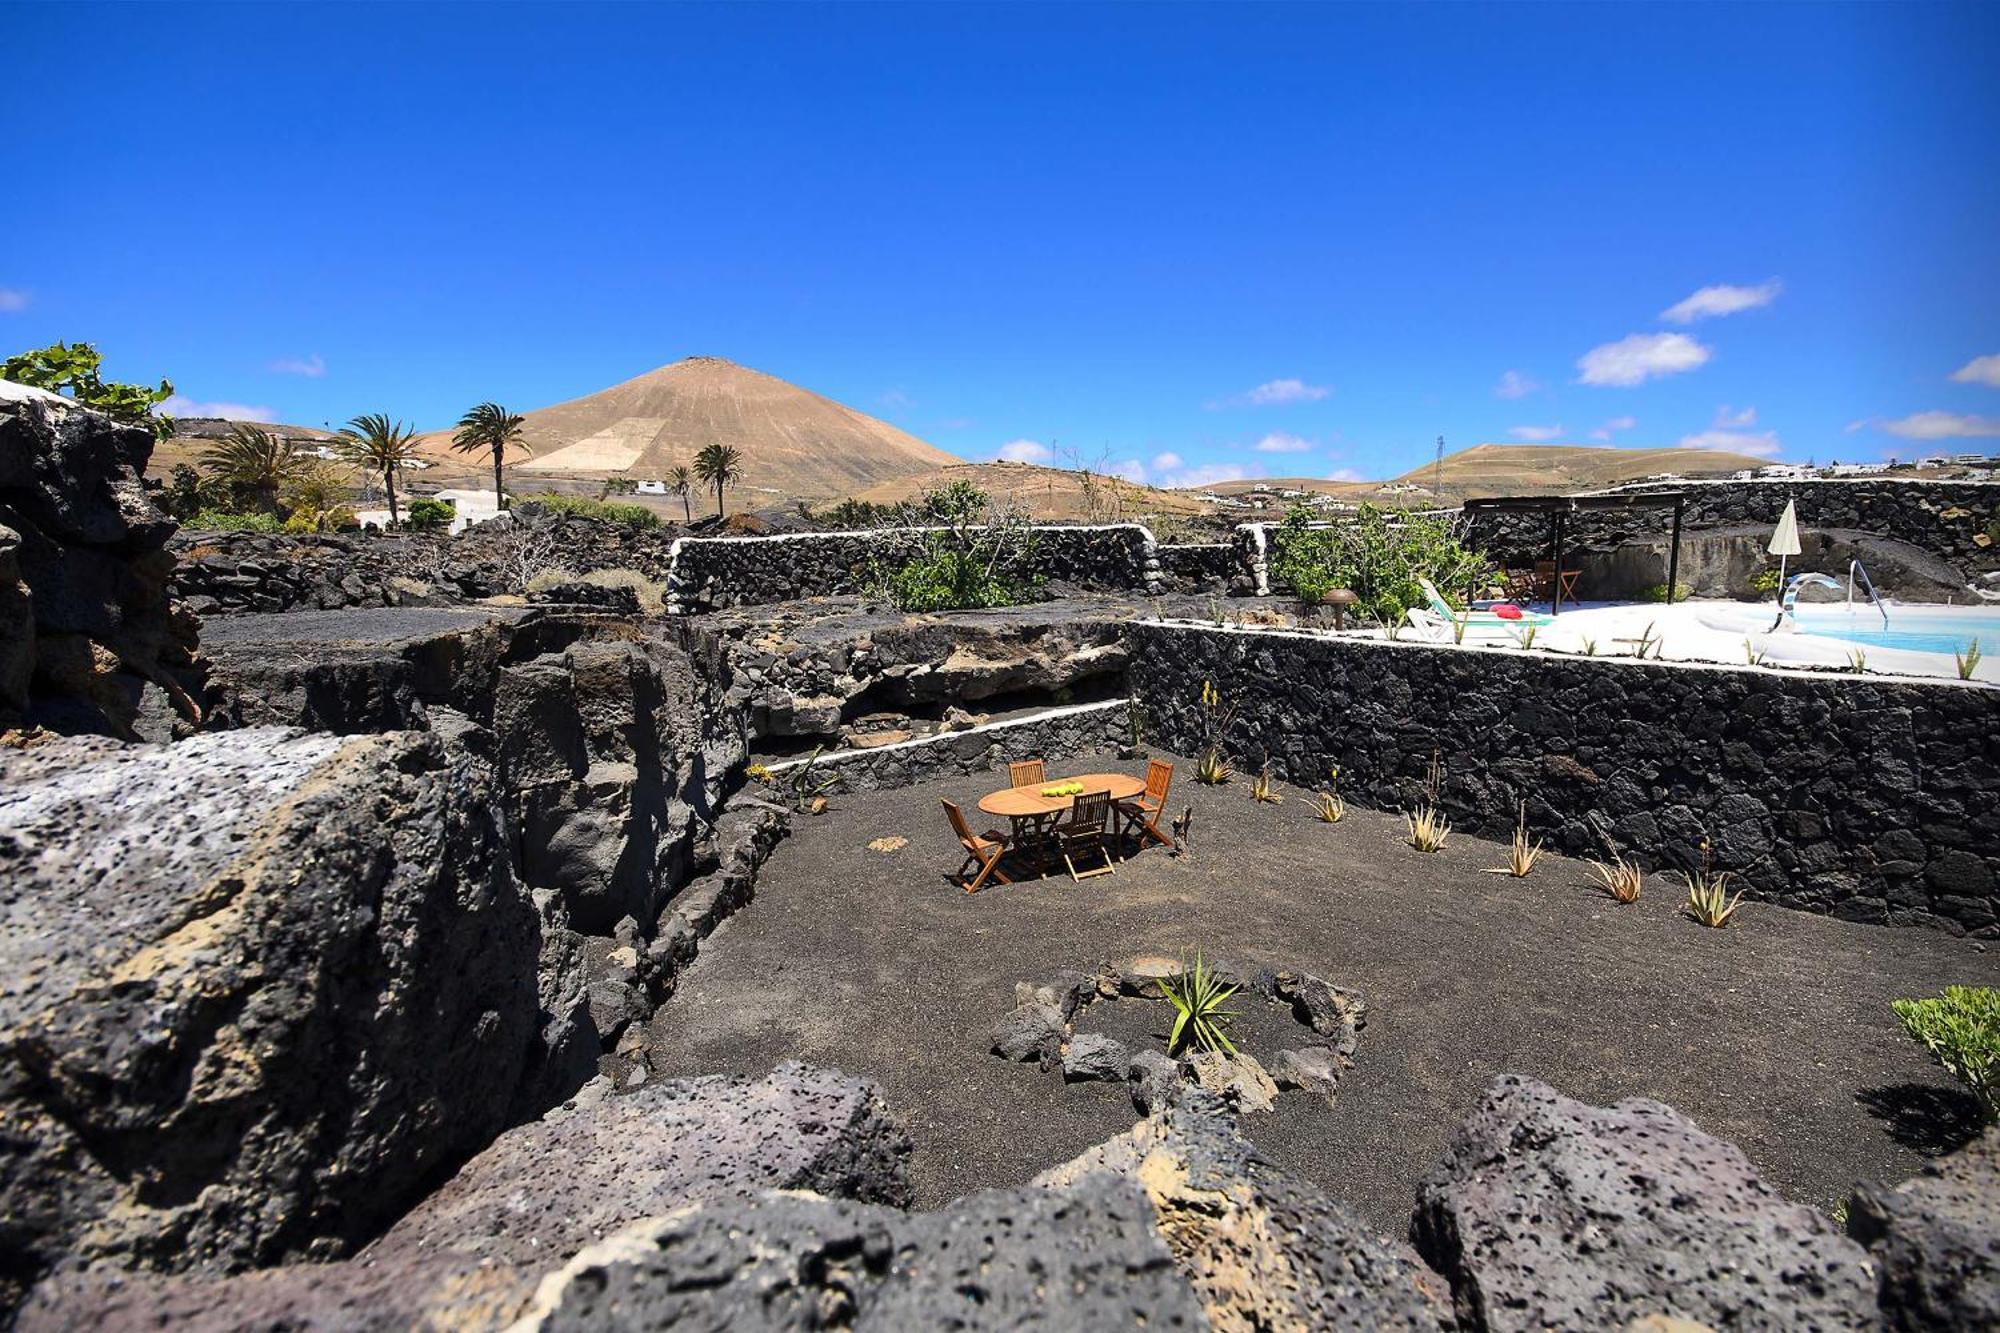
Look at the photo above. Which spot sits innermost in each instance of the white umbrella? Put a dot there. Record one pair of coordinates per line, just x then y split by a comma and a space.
1785, 541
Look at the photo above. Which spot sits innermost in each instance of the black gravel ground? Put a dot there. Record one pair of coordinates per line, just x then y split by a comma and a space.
1775, 1033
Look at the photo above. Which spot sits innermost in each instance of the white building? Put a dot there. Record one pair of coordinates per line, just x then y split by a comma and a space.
651, 486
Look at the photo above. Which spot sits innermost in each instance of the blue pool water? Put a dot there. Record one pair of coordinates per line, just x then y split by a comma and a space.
1919, 629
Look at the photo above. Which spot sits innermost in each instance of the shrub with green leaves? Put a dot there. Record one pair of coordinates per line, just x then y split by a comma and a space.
427, 515
1961, 1030
1379, 554
72, 369
1197, 995
1658, 593
222, 520
630, 515
975, 556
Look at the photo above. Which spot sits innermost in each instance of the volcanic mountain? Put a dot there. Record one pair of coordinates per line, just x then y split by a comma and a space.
794, 443
1519, 469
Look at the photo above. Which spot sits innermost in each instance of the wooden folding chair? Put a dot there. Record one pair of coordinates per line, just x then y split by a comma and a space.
983, 850
1141, 814
1027, 773
1083, 831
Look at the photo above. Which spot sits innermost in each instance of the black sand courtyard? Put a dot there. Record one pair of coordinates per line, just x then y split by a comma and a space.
1775, 1033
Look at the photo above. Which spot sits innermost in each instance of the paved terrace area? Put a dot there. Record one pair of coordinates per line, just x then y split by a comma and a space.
1775, 1033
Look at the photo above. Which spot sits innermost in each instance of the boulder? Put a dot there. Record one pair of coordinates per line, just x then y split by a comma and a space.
1239, 1079
471, 1254
1547, 1213
1935, 1240
262, 985
1033, 1031
1082, 1258
1314, 1069
1261, 1249
1094, 1057
1155, 1081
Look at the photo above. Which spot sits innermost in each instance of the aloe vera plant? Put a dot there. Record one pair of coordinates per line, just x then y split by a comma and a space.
1198, 996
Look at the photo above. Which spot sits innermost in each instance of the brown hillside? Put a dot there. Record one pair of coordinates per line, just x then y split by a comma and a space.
1044, 492
1520, 469
795, 444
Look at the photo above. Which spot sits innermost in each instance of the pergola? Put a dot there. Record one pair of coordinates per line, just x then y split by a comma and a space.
1560, 507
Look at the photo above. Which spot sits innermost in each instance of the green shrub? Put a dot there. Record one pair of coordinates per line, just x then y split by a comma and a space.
221, 520
1658, 593
428, 515
943, 577
629, 515
1764, 581
1379, 554
1961, 1030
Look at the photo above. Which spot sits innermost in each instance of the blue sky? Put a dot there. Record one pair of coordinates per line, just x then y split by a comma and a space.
1160, 237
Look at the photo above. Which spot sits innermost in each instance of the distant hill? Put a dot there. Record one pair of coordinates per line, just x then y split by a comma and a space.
795, 444
1044, 492
1518, 469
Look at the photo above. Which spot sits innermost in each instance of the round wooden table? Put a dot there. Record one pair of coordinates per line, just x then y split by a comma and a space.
1028, 803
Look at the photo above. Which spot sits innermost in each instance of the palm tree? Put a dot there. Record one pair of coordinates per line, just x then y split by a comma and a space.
680, 481
252, 460
719, 465
491, 428
375, 444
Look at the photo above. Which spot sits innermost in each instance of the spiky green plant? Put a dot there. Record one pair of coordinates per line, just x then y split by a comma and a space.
1263, 789
1708, 899
1521, 855
1212, 769
1968, 661
1961, 1030
1621, 879
1857, 661
1198, 996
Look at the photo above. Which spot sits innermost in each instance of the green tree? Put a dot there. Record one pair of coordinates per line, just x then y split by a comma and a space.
375, 444
491, 429
256, 465
72, 368
719, 465
1379, 554
681, 481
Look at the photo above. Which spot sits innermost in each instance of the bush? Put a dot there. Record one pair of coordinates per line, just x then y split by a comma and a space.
945, 578
1658, 593
628, 515
1961, 1030
221, 520
1378, 554
427, 515
1764, 581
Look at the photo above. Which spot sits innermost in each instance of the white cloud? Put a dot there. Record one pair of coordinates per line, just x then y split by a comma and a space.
1535, 433
1166, 462
1639, 357
1979, 370
1273, 393
1344, 474
1613, 426
12, 299
1207, 474
1728, 418
1710, 302
1942, 426
1130, 469
180, 405
312, 367
1026, 451
1513, 384
896, 398
1281, 442
1759, 444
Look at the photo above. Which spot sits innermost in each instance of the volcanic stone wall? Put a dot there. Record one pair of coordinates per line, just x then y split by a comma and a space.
711, 573
1956, 521
1202, 568
1060, 733
1867, 800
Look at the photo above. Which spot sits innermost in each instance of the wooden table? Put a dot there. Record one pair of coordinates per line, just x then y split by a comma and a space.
1032, 814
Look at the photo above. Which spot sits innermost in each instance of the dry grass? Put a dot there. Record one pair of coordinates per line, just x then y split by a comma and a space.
1621, 879
1428, 828
1329, 808
1263, 789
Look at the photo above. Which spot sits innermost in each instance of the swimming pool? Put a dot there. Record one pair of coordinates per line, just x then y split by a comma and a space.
1917, 629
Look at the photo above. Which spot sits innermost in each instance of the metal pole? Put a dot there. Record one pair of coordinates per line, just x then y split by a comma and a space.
1556, 592
1674, 556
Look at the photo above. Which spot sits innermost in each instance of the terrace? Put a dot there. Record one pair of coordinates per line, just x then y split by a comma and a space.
1776, 1032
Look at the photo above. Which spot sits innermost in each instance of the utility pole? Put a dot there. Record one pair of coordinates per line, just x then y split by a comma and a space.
1437, 470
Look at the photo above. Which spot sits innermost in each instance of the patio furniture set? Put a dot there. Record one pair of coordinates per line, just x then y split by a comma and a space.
1085, 818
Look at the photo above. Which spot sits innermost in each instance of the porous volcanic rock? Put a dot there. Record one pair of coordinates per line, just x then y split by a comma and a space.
89, 638
261, 986
1085, 1258
1935, 1240
471, 1255
1261, 1249
1547, 1213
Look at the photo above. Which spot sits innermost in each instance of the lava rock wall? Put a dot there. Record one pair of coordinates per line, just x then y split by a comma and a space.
1057, 734
90, 640
1864, 799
